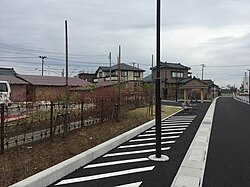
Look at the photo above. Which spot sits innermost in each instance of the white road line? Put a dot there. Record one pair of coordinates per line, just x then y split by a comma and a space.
171, 126
193, 116
166, 133
177, 121
136, 184
181, 123
182, 117
144, 144
116, 163
105, 175
166, 130
146, 139
134, 152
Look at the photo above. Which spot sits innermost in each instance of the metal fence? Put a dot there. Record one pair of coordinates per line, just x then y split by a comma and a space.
31, 121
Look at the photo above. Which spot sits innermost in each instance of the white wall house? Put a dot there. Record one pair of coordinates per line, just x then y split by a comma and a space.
246, 84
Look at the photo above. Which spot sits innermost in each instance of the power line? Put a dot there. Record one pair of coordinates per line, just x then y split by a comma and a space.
32, 50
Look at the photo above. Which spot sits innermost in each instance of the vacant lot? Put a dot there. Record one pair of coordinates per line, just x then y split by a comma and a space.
23, 161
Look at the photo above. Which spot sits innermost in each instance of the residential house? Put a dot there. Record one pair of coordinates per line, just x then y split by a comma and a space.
90, 77
171, 75
245, 84
51, 87
129, 74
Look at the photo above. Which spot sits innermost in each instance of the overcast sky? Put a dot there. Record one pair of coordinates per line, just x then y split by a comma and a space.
194, 32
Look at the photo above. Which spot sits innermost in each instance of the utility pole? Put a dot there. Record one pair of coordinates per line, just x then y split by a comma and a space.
152, 85
42, 57
110, 66
202, 70
119, 86
165, 91
66, 79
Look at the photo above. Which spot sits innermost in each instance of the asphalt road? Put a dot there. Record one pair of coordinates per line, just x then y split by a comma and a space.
228, 162
128, 164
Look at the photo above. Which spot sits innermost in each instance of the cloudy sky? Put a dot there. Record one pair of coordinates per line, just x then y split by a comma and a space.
194, 32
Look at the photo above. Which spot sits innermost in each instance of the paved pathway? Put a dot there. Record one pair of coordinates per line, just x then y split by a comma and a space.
128, 165
229, 150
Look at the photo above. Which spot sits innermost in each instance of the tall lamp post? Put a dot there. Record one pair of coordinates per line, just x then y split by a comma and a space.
158, 156
248, 85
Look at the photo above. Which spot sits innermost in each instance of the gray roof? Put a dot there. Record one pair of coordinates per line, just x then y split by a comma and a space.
147, 78
7, 71
123, 66
12, 79
172, 66
52, 80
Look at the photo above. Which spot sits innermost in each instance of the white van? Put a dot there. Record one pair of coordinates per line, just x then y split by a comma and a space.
5, 92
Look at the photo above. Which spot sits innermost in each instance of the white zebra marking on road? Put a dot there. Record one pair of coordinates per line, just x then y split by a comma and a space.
134, 152
105, 175
116, 163
136, 184
146, 139
144, 144
166, 130
166, 133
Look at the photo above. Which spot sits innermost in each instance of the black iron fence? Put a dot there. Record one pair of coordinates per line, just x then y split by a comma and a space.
30, 121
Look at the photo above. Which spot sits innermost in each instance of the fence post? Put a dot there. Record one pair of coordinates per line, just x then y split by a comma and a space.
102, 110
51, 118
2, 129
81, 114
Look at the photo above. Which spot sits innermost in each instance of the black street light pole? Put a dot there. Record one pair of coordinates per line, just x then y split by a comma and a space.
158, 156
157, 81
248, 85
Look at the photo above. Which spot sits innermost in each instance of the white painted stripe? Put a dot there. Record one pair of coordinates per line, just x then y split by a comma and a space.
166, 133
134, 152
171, 126
136, 184
193, 116
146, 139
165, 124
116, 163
176, 121
145, 144
166, 130
105, 175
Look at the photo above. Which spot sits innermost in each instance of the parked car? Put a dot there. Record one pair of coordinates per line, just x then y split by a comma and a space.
5, 93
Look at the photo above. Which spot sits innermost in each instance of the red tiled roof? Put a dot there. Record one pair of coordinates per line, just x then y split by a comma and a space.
12, 79
53, 81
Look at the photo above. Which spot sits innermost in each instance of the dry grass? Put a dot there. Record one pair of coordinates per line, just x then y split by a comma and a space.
23, 161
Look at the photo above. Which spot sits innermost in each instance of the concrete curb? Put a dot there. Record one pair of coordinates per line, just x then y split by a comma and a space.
240, 100
192, 168
54, 173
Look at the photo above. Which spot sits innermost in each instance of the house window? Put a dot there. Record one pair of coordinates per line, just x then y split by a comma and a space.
136, 74
124, 73
176, 74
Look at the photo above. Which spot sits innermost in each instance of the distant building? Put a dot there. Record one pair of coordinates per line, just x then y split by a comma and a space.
172, 75
196, 89
128, 73
90, 77
245, 84
51, 87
